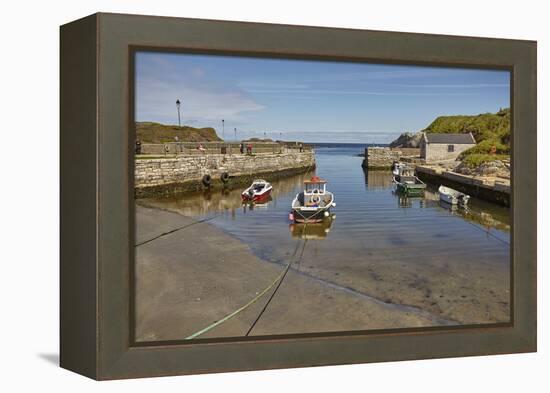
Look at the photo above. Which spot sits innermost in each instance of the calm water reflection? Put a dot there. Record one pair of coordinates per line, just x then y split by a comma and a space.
367, 208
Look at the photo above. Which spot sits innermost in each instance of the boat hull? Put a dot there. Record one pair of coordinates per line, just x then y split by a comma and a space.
302, 215
256, 197
453, 197
448, 199
411, 189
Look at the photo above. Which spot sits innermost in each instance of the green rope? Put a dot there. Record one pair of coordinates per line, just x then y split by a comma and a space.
280, 277
254, 300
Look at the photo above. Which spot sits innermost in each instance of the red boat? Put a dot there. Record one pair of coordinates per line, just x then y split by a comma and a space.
259, 191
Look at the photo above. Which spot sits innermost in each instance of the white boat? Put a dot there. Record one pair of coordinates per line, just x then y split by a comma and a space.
314, 203
453, 197
397, 168
258, 192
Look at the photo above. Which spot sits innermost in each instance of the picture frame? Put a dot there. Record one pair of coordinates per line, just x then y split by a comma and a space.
97, 220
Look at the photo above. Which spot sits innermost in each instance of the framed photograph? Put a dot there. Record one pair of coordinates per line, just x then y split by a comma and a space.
242, 196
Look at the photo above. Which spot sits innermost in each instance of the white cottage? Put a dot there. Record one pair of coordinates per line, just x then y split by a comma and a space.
443, 147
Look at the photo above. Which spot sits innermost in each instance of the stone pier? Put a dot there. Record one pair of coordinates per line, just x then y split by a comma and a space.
383, 157
170, 175
496, 191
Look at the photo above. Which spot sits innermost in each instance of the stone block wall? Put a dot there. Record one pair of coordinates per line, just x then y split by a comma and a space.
165, 171
434, 152
191, 148
380, 157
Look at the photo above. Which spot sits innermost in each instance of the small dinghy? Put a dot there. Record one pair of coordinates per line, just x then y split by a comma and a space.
259, 191
313, 204
453, 197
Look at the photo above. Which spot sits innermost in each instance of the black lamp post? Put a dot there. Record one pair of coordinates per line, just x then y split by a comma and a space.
223, 129
178, 103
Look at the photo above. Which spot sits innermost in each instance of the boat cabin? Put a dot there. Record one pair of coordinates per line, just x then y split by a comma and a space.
315, 193
315, 186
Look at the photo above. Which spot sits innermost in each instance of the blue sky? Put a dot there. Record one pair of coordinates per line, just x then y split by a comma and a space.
312, 101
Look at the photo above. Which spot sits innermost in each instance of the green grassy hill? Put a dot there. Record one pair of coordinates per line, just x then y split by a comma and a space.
150, 132
489, 129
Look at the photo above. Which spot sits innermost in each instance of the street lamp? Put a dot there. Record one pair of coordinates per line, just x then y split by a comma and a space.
223, 129
235, 133
178, 103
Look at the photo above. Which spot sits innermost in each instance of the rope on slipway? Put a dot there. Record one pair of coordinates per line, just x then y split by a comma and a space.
275, 291
286, 269
279, 279
177, 229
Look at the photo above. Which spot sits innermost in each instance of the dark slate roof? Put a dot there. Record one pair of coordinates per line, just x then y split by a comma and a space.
455, 139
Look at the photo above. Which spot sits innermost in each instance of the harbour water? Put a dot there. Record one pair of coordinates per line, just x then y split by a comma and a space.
414, 253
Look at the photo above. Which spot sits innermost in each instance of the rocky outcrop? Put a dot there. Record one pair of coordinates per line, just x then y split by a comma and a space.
496, 168
407, 139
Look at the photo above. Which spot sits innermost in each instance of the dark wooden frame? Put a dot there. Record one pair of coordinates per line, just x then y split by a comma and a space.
97, 195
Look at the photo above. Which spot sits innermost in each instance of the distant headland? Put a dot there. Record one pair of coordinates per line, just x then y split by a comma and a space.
151, 132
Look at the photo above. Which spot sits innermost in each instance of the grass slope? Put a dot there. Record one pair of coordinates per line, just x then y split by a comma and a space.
150, 132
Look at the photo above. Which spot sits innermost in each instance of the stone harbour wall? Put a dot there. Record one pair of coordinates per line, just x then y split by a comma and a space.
380, 157
383, 157
496, 191
185, 173
191, 148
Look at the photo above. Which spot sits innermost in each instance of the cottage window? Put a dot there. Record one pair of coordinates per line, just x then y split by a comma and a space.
450, 148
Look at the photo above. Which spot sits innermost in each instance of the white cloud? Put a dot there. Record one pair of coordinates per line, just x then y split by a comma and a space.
159, 84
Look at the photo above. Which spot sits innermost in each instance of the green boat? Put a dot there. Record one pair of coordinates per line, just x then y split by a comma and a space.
407, 183
411, 185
